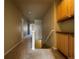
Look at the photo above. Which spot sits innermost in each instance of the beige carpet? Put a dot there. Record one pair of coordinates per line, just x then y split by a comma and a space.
24, 51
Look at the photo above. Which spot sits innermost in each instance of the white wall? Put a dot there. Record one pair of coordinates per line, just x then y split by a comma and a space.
38, 29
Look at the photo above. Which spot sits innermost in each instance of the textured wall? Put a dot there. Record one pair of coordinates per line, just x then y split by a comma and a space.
11, 25
38, 29
48, 25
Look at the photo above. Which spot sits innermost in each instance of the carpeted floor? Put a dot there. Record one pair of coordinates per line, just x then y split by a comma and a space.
24, 51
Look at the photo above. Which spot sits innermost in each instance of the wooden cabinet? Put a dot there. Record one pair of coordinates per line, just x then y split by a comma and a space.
65, 40
64, 9
65, 44
70, 7
71, 46
61, 10
62, 43
59, 44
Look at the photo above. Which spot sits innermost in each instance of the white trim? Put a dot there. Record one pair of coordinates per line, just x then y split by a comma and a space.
12, 47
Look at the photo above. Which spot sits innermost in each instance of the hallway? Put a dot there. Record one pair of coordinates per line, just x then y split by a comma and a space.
50, 23
24, 51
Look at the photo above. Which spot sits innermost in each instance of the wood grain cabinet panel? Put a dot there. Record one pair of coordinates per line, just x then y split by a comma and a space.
65, 44
64, 9
61, 10
62, 43
70, 7
59, 44
58, 12
71, 46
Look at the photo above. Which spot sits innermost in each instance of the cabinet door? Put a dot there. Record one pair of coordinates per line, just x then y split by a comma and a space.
58, 12
65, 44
70, 7
59, 44
62, 43
71, 46
61, 10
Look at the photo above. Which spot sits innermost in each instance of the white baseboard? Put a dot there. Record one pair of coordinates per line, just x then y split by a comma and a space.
12, 47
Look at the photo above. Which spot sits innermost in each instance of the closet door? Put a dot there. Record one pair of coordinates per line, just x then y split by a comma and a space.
71, 47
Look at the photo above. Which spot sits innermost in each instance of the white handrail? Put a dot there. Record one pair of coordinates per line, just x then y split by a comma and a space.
50, 33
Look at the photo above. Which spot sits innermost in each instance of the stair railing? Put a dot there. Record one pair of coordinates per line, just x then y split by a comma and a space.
50, 33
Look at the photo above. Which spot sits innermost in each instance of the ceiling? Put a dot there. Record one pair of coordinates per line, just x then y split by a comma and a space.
33, 9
